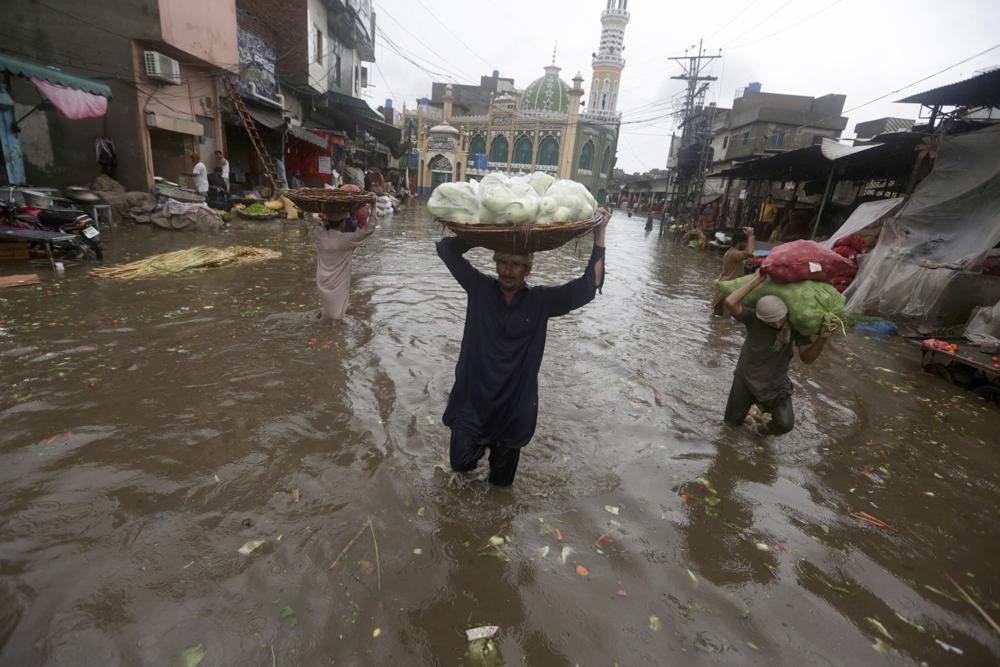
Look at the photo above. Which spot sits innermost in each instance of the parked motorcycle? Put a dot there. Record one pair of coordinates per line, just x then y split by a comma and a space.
87, 243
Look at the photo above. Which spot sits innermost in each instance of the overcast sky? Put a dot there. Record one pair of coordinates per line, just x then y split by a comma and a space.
859, 48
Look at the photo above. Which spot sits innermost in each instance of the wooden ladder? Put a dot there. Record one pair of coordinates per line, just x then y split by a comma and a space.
251, 129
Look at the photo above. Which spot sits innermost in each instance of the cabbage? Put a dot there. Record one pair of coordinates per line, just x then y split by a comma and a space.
547, 206
523, 209
454, 201
497, 199
523, 199
563, 214
541, 182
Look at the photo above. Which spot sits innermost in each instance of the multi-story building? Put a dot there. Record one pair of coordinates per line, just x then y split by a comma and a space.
763, 123
463, 132
160, 58
295, 64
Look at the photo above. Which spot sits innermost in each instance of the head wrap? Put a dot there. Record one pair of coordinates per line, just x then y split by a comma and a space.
525, 259
770, 310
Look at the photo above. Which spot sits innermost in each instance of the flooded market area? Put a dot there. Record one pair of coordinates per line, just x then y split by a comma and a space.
151, 429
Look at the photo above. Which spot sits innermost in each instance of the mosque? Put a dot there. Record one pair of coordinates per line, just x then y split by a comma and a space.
464, 131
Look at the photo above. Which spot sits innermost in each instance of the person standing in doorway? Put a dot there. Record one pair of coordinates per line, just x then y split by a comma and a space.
222, 163
200, 175
494, 401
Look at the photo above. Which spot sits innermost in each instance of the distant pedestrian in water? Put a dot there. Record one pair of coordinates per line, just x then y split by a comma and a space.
336, 243
494, 401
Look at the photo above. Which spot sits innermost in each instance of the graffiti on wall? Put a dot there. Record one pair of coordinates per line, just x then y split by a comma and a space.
258, 61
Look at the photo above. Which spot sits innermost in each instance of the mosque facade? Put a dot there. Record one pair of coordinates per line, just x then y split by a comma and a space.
464, 132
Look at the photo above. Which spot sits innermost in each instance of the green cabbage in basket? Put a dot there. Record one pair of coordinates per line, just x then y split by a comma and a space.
811, 304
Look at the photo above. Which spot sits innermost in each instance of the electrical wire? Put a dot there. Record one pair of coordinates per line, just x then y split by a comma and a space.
758, 24
738, 14
452, 33
788, 27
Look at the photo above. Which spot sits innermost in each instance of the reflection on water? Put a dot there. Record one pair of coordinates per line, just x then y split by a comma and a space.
149, 429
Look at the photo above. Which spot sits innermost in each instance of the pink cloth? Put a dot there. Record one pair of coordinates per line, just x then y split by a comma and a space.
74, 104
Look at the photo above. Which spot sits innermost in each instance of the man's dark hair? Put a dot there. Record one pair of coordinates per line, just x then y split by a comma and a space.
739, 236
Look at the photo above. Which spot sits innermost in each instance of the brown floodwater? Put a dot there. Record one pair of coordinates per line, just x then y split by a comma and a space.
150, 429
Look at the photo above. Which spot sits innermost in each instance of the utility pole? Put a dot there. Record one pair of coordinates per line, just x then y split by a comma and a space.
696, 132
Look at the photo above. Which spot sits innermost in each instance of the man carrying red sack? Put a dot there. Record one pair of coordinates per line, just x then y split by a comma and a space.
761, 375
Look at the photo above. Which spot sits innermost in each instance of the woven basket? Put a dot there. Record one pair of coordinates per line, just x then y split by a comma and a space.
329, 202
521, 238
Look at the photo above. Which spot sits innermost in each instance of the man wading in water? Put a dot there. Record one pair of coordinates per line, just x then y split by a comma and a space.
761, 375
494, 401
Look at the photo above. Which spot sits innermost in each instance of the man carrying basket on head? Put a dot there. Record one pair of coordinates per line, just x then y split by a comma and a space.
494, 401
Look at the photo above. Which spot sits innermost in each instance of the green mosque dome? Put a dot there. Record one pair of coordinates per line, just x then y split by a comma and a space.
547, 94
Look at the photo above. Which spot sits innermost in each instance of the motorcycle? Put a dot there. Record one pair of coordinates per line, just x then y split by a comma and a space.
87, 243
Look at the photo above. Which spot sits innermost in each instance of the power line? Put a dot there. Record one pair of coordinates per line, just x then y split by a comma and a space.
758, 24
788, 27
738, 14
460, 41
419, 41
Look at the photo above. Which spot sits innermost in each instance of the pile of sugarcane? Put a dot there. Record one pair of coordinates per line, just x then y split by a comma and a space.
197, 258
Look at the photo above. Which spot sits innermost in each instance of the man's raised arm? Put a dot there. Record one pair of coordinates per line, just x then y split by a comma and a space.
450, 249
581, 291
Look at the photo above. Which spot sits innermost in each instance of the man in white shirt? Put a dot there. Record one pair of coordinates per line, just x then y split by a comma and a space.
200, 175
221, 161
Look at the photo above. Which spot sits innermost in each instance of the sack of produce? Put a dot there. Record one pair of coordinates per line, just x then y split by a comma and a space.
458, 202
812, 305
804, 260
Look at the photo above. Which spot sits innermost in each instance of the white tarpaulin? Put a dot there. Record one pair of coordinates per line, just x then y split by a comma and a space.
945, 230
864, 215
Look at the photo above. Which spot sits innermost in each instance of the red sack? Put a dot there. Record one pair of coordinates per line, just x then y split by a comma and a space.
361, 215
845, 251
804, 260
853, 241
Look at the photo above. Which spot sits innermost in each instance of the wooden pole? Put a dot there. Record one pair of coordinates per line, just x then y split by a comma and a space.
826, 196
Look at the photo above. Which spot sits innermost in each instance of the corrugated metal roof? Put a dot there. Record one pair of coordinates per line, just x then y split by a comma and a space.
979, 91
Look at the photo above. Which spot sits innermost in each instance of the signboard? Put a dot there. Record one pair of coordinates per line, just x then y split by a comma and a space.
443, 144
325, 166
258, 62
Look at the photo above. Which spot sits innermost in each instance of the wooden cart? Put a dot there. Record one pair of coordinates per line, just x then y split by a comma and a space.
969, 367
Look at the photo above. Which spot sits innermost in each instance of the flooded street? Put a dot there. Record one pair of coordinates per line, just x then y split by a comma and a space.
149, 429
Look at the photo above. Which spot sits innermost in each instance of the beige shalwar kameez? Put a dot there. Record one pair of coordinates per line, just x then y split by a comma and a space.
335, 251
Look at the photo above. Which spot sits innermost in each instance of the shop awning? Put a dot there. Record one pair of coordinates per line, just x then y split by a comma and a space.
306, 135
73, 95
355, 105
269, 119
32, 70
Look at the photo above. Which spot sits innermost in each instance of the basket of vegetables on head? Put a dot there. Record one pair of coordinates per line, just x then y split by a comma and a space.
331, 201
519, 214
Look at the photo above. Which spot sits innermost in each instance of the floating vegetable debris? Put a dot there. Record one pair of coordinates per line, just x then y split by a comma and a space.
251, 546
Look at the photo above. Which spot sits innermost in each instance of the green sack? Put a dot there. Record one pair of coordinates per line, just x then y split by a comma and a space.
812, 305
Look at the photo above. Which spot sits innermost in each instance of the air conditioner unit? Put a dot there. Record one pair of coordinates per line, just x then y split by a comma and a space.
159, 66
278, 100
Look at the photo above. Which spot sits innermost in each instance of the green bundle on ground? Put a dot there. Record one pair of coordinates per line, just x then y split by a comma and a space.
197, 258
812, 305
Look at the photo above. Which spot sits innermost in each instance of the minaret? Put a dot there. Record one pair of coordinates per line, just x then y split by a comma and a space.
608, 62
